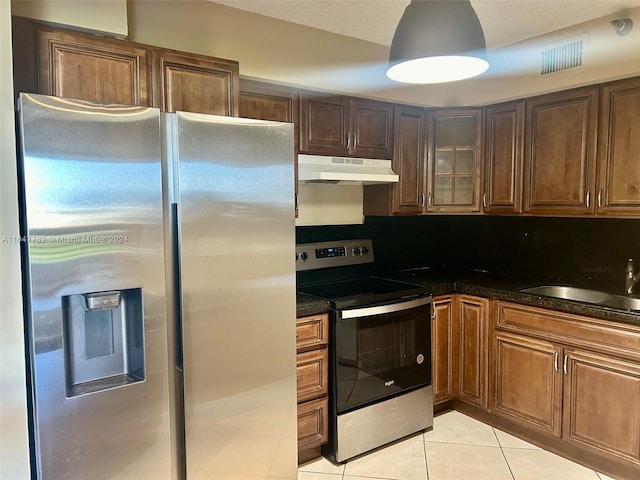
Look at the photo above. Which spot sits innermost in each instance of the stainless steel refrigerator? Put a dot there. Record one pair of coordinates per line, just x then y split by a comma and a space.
159, 280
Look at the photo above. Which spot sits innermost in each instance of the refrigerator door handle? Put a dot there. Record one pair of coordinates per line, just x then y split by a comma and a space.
177, 295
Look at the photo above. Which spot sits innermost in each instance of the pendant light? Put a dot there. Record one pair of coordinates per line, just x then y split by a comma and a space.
437, 41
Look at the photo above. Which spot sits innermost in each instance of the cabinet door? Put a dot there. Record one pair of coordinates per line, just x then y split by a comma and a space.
324, 124
473, 364
560, 149
194, 83
371, 131
444, 347
527, 385
602, 404
87, 67
503, 158
619, 150
454, 161
407, 196
271, 102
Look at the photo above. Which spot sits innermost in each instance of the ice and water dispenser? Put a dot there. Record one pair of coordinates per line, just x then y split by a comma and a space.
104, 340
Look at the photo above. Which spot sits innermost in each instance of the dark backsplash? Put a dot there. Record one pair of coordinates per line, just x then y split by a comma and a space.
590, 252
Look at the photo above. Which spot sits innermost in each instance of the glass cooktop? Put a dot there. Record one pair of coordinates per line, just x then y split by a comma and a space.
363, 291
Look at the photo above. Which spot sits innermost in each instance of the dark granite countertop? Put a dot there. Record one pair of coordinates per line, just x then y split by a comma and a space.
502, 287
441, 281
307, 305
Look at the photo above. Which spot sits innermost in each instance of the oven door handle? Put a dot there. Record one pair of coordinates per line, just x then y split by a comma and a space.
382, 309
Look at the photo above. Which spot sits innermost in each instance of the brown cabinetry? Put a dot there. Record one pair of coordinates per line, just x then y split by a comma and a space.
571, 377
87, 67
560, 148
619, 149
504, 138
264, 101
407, 196
473, 313
343, 126
454, 161
101, 69
444, 347
312, 379
194, 83
527, 388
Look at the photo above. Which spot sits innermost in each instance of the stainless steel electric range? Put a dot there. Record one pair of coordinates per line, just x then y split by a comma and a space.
380, 347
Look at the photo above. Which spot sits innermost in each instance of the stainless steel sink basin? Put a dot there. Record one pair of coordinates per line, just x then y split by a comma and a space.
626, 303
569, 293
587, 296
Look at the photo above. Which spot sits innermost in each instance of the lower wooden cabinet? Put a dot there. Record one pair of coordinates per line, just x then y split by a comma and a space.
601, 407
459, 336
473, 315
527, 388
444, 348
572, 378
313, 423
312, 335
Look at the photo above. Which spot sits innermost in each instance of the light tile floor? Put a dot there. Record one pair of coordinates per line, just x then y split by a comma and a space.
458, 448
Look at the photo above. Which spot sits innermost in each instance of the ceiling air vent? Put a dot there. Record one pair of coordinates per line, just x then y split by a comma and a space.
561, 57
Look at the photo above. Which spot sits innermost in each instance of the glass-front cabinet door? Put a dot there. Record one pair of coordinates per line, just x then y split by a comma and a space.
454, 161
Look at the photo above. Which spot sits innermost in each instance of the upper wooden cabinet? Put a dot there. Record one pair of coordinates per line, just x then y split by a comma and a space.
504, 139
265, 101
560, 148
101, 69
337, 125
407, 196
194, 83
454, 160
619, 149
87, 67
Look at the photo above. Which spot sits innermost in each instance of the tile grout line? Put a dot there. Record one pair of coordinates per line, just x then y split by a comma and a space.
503, 454
426, 460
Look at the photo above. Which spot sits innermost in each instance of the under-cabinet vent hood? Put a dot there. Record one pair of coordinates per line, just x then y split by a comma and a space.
342, 170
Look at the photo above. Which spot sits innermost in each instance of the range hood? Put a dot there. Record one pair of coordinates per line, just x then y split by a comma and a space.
345, 171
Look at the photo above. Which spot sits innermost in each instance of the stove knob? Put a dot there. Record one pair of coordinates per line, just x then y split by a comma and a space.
365, 250
357, 251
304, 256
297, 256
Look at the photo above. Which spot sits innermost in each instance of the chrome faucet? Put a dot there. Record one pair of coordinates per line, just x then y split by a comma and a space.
630, 279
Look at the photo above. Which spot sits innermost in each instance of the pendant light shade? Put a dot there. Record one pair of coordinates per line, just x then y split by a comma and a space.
437, 41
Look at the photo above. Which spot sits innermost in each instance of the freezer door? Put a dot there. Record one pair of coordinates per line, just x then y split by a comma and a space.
237, 245
94, 286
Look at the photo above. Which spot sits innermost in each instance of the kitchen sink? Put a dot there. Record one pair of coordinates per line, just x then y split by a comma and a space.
587, 296
569, 293
626, 303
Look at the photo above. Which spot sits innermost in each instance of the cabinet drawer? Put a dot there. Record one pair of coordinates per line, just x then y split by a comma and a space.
312, 331
603, 335
312, 373
313, 423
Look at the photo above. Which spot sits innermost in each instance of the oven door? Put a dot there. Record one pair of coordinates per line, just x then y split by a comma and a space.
381, 352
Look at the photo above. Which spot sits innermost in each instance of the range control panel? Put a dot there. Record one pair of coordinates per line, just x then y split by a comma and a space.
310, 256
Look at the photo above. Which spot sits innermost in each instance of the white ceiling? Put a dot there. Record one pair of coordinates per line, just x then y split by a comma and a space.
504, 21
